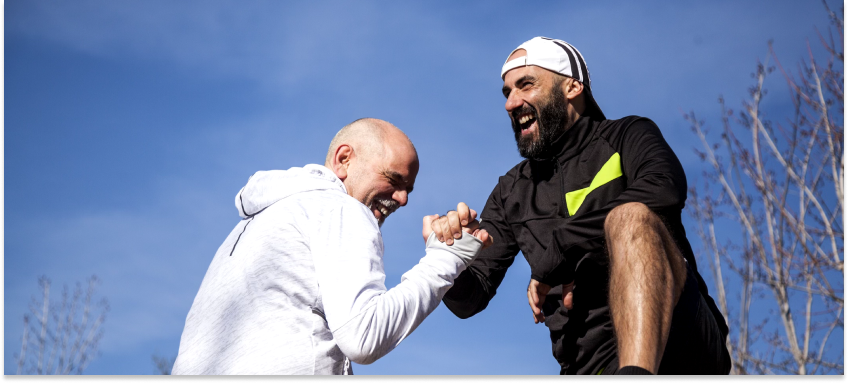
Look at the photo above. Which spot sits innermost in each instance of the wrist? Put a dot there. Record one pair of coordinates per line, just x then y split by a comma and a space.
465, 248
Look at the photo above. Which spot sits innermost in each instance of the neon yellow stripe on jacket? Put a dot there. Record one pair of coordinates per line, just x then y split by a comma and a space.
610, 171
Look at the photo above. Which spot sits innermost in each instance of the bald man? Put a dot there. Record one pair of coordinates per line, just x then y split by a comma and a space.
298, 286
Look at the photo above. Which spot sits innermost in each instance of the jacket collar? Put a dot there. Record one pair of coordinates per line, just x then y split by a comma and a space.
572, 141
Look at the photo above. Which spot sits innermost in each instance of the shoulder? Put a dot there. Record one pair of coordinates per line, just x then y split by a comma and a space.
323, 203
521, 170
626, 123
615, 131
507, 181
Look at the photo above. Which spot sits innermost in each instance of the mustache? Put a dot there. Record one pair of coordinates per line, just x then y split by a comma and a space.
390, 204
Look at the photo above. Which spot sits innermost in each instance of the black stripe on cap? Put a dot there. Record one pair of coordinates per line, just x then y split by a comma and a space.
571, 60
582, 63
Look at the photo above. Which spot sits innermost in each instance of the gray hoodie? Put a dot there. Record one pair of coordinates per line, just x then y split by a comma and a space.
298, 286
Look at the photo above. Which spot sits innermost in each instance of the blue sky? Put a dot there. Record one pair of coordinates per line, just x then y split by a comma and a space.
131, 125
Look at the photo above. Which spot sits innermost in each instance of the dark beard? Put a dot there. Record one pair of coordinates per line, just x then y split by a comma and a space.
552, 120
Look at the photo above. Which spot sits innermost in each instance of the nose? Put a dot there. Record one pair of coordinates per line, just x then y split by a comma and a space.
401, 196
513, 102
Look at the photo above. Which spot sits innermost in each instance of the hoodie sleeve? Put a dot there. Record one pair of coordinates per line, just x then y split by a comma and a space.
366, 319
658, 181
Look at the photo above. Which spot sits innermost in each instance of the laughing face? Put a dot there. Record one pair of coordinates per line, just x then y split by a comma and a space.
383, 183
535, 130
538, 108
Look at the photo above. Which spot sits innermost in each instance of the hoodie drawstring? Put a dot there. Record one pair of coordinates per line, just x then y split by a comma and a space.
249, 220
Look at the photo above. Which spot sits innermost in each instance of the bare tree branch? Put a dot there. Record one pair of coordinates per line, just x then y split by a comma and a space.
66, 342
781, 187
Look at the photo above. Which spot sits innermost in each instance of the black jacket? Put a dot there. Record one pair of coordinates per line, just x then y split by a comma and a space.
554, 211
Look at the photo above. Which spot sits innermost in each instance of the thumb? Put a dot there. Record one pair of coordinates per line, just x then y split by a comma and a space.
484, 236
428, 219
426, 228
568, 296
536, 293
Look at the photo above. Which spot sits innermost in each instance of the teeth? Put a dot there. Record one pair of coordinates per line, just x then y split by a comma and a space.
384, 206
525, 118
385, 211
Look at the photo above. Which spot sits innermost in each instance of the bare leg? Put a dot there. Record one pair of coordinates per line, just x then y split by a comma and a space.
647, 273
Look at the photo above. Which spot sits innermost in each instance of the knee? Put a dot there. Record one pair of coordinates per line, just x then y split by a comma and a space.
633, 225
629, 217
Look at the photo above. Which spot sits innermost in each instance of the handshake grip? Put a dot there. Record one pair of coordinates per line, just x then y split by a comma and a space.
454, 225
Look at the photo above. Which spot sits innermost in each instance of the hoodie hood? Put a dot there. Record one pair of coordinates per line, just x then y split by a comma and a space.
266, 187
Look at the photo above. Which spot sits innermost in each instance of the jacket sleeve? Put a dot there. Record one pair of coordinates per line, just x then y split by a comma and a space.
368, 321
477, 285
657, 180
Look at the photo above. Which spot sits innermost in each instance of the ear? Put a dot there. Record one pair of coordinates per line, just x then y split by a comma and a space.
341, 160
572, 88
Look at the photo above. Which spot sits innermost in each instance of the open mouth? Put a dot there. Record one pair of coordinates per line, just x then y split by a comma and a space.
525, 120
383, 211
384, 207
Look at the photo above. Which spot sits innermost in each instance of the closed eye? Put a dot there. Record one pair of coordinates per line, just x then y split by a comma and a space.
397, 181
525, 81
522, 83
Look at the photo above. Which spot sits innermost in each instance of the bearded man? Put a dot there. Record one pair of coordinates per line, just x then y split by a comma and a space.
595, 209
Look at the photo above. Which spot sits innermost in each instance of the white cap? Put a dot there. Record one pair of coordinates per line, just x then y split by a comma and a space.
557, 56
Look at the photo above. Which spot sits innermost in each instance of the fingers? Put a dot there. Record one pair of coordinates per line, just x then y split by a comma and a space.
536, 302
536, 293
484, 236
471, 227
464, 213
426, 227
436, 227
568, 295
446, 228
443, 223
451, 225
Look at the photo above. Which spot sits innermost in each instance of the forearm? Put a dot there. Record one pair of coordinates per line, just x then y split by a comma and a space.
469, 294
478, 284
388, 318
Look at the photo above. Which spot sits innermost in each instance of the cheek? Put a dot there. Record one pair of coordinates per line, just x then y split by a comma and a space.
384, 191
358, 188
370, 189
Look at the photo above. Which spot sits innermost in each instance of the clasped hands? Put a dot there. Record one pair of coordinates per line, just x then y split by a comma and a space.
451, 226
464, 219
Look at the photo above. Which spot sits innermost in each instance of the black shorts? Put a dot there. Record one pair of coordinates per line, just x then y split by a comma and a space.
695, 342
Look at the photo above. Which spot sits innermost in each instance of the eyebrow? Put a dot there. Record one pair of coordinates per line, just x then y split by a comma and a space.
524, 78
397, 177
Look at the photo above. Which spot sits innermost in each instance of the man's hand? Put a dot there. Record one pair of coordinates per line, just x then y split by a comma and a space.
452, 225
426, 228
536, 293
568, 296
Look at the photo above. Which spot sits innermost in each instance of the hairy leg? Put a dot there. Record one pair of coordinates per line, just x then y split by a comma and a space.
647, 273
